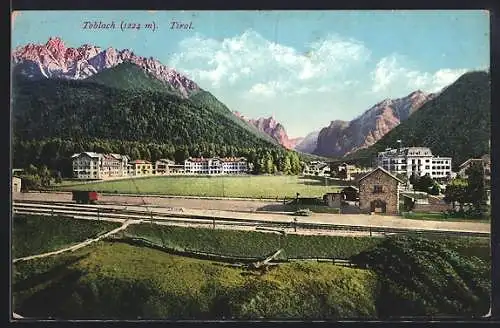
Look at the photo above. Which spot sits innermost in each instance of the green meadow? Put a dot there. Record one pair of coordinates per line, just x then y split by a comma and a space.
214, 186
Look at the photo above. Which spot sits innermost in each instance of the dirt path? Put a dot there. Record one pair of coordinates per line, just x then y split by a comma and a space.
78, 246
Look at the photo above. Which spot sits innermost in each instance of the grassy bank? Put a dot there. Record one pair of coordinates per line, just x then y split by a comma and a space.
256, 244
421, 277
251, 243
214, 186
440, 217
115, 280
39, 234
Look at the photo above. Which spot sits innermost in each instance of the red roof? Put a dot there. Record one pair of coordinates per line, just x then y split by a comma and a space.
140, 161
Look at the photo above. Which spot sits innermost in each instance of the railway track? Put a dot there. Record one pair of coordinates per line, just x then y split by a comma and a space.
174, 216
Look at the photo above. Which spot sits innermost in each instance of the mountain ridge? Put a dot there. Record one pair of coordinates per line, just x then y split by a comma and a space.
455, 123
271, 127
54, 60
344, 137
120, 69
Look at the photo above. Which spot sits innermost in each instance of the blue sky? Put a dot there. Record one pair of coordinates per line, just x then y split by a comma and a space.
306, 68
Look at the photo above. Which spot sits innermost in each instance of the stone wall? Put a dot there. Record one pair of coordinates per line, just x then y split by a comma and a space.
389, 194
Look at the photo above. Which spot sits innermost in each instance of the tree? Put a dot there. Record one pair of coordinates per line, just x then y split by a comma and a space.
181, 154
456, 192
423, 183
44, 175
342, 174
475, 188
134, 153
295, 163
287, 166
58, 177
269, 164
435, 190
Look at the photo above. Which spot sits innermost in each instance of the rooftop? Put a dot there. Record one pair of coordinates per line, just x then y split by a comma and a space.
87, 153
224, 159
381, 169
140, 161
407, 151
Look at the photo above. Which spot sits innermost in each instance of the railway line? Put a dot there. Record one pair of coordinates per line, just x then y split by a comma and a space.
179, 216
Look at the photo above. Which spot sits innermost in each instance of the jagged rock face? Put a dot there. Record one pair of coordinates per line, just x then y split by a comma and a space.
343, 137
55, 60
308, 144
273, 128
295, 141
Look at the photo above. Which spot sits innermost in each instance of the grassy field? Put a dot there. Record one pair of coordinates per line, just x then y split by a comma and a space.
39, 234
251, 243
228, 186
257, 244
119, 281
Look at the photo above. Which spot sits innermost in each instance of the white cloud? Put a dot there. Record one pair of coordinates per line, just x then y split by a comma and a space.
267, 67
389, 74
267, 89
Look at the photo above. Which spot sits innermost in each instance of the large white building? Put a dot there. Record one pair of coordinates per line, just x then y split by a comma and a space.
316, 168
418, 160
91, 165
231, 165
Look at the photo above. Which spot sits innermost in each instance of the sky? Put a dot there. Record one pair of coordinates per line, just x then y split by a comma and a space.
305, 68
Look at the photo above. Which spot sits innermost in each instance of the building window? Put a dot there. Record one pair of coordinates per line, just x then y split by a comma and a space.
427, 167
377, 189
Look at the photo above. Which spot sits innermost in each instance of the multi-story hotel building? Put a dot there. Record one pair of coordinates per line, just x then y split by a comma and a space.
216, 165
114, 165
90, 165
87, 165
415, 160
140, 167
162, 166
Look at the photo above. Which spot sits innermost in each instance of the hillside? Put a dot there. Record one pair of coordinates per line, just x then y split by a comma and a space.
99, 282
456, 123
344, 137
129, 76
420, 277
71, 109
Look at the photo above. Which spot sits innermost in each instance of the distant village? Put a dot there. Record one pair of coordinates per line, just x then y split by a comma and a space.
381, 188
402, 162
90, 165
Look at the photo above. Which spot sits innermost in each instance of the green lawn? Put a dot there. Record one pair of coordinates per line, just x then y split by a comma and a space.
33, 235
228, 186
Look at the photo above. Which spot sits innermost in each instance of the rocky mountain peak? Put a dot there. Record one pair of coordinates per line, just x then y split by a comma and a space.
273, 128
54, 60
341, 137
